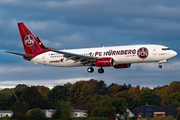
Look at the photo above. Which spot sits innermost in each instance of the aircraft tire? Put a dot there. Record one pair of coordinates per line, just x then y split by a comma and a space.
160, 66
90, 70
100, 70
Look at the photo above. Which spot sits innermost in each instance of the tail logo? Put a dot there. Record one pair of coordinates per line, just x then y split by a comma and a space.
29, 40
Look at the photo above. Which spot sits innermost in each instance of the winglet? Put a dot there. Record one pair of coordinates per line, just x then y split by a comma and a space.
40, 43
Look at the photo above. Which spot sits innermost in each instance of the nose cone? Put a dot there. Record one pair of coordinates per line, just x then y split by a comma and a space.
173, 53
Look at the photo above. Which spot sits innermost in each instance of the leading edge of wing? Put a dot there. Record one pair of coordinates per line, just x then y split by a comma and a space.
72, 56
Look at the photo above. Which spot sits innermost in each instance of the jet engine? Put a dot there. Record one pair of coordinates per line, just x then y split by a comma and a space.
104, 62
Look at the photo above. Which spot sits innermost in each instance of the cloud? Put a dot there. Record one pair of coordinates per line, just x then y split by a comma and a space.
46, 82
173, 66
6, 69
11, 42
135, 20
9, 1
52, 44
73, 38
169, 66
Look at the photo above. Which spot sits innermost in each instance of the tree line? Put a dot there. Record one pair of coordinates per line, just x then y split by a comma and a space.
100, 100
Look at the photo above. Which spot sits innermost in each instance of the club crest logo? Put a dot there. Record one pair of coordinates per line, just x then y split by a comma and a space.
29, 40
142, 52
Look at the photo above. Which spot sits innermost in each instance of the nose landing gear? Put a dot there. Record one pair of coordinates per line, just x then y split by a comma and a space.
162, 61
160, 66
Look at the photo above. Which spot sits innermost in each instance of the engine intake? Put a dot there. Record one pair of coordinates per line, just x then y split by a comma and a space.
119, 66
104, 62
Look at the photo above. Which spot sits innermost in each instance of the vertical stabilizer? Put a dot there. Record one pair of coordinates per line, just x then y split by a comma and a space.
32, 44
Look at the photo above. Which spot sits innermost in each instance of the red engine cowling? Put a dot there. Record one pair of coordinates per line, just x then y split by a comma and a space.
104, 62
122, 66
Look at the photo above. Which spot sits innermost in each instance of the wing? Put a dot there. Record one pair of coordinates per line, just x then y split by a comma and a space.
85, 60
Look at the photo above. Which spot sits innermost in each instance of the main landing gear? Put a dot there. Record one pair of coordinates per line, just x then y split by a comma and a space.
101, 70
91, 70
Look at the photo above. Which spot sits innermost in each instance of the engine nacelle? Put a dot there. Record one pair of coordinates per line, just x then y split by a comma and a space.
104, 62
122, 66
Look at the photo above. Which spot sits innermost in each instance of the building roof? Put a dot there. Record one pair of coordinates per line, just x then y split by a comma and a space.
79, 111
6, 111
168, 110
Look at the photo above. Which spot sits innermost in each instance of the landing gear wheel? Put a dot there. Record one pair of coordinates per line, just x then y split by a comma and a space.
90, 70
160, 66
101, 70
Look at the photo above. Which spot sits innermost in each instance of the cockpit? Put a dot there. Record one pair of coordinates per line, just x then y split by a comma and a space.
166, 49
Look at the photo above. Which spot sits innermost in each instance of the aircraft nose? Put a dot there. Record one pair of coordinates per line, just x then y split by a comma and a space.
173, 53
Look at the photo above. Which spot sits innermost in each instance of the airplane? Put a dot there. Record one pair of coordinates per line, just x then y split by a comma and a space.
116, 56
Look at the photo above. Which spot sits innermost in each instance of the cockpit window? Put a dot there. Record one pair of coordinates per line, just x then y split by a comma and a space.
165, 48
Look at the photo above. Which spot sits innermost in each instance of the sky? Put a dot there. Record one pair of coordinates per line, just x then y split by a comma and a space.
70, 24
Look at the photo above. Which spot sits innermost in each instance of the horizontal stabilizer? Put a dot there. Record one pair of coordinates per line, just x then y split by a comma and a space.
21, 54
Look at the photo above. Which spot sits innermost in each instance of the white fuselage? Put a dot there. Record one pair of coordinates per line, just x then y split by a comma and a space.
120, 54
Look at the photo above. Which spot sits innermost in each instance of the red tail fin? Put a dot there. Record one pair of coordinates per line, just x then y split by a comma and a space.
32, 44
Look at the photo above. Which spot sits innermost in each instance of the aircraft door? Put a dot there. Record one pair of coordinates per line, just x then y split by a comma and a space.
44, 58
168, 52
154, 50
